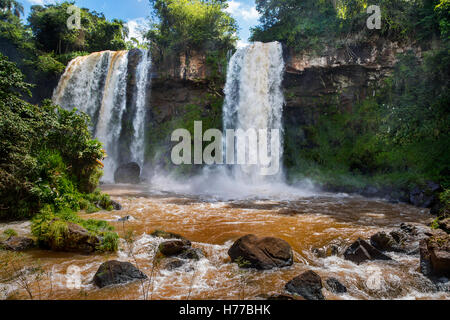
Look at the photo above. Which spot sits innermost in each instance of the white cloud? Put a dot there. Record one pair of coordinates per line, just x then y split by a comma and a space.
137, 27
241, 10
250, 14
233, 7
41, 2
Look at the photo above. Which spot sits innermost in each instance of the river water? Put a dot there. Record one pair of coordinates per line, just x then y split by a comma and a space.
305, 219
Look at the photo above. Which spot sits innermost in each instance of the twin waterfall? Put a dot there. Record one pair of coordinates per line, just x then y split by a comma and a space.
254, 100
114, 93
113, 89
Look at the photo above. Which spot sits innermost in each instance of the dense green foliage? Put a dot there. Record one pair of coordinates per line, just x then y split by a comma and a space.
49, 26
314, 24
47, 155
49, 227
43, 48
186, 25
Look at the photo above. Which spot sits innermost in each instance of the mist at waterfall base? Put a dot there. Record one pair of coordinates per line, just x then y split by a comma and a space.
253, 100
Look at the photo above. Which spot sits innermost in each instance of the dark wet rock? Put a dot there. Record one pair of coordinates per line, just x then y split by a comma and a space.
409, 228
335, 286
192, 254
435, 255
261, 253
116, 272
174, 247
117, 206
166, 235
173, 264
387, 242
17, 244
361, 251
128, 173
308, 285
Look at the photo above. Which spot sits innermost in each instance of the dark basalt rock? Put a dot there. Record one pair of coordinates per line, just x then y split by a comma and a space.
128, 173
388, 242
116, 272
308, 285
174, 247
335, 286
261, 253
17, 244
360, 251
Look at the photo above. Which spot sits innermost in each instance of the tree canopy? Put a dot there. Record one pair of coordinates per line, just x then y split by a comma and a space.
184, 25
310, 24
49, 25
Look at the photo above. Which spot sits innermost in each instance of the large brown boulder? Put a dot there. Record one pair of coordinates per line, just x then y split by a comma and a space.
361, 251
174, 247
261, 253
17, 244
435, 255
308, 285
116, 272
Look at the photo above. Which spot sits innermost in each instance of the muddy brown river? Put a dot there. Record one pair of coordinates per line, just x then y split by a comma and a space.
306, 220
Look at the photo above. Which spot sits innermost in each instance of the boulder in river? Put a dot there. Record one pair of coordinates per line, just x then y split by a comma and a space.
74, 239
174, 247
128, 173
361, 251
17, 244
435, 255
116, 272
387, 242
308, 285
261, 253
335, 286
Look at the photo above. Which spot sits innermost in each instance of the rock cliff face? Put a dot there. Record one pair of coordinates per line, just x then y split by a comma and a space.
341, 76
338, 75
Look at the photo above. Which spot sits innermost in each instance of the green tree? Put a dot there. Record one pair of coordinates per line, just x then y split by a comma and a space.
186, 25
49, 26
12, 6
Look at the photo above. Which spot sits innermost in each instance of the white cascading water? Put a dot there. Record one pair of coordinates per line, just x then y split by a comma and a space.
254, 99
142, 75
97, 85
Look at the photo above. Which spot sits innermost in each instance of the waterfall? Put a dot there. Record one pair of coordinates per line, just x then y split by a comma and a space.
97, 84
254, 99
142, 75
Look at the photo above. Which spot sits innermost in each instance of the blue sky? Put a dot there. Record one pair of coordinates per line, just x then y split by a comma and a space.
135, 12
